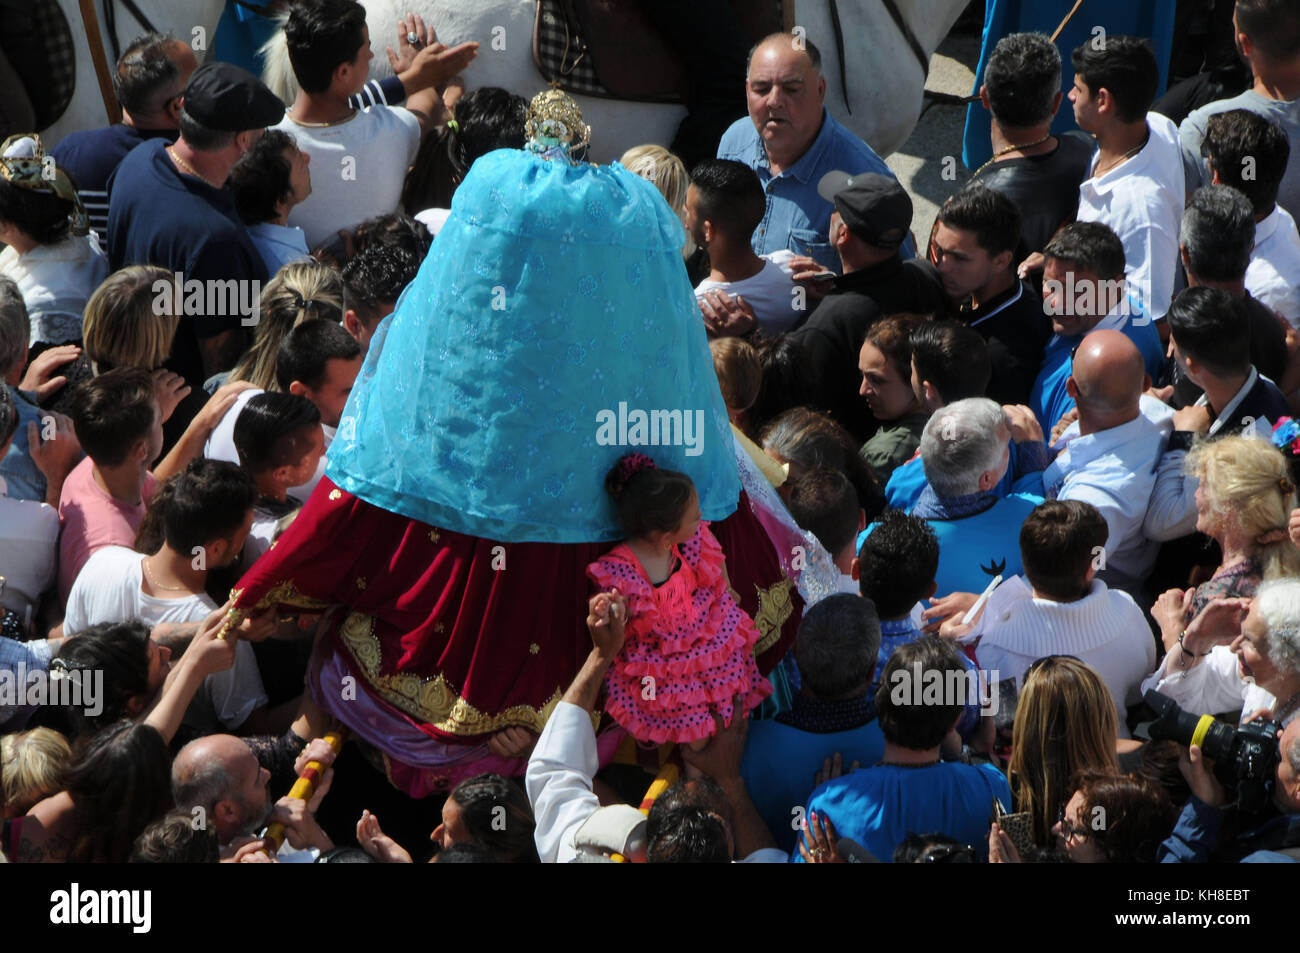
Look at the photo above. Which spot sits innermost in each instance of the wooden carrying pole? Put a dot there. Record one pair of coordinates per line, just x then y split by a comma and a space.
90, 21
304, 787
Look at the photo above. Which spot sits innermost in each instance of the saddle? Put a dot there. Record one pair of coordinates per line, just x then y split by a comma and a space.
611, 48
37, 42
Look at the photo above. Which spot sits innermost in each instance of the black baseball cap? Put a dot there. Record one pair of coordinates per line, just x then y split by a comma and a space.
874, 207
223, 96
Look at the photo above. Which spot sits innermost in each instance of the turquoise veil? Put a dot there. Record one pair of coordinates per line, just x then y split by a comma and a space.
550, 330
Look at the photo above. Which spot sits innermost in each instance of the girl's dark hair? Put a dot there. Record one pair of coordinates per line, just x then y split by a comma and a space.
487, 118
498, 816
811, 439
120, 784
647, 499
784, 381
120, 650
42, 215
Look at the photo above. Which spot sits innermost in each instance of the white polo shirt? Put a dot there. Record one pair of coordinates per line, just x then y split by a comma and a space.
1273, 275
1141, 200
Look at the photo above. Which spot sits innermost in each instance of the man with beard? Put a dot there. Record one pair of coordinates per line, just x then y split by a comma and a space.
220, 782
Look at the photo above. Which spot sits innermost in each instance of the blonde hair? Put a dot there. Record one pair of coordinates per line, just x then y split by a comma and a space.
1065, 723
300, 291
126, 324
1248, 485
668, 174
31, 768
739, 373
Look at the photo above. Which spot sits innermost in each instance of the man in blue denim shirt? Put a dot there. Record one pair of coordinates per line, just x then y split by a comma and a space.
791, 141
25, 481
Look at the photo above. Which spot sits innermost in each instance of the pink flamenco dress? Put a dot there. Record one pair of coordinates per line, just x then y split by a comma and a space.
689, 649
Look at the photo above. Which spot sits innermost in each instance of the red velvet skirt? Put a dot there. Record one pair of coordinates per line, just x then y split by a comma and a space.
466, 636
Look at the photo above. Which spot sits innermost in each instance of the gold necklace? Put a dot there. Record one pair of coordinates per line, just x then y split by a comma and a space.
1001, 152
155, 583
171, 151
1097, 173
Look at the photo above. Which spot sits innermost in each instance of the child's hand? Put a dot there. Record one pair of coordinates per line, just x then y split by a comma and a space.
606, 617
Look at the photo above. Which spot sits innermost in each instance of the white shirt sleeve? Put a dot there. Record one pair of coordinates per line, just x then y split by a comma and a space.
1171, 513
411, 127
1212, 686
558, 780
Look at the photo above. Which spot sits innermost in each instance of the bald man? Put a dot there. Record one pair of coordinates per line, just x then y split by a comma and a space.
1108, 456
218, 780
150, 76
791, 141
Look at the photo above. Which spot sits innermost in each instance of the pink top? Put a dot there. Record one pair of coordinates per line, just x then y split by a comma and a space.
91, 519
689, 648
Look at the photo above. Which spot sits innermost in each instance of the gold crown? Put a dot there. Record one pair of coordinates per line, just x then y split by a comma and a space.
554, 119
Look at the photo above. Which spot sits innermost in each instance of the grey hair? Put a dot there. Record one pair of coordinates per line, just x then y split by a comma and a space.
8, 416
1022, 78
15, 326
1218, 232
1278, 602
810, 48
205, 783
962, 440
204, 138
1292, 754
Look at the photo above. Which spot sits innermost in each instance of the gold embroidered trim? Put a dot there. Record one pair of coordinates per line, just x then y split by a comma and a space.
286, 593
774, 608
434, 700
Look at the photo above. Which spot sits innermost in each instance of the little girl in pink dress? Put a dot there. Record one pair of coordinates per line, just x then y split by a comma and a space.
689, 650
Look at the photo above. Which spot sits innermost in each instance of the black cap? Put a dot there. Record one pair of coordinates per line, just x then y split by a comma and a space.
874, 207
223, 96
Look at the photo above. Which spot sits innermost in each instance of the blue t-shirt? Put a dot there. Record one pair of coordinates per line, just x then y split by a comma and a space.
22, 477
156, 216
976, 548
90, 157
878, 807
781, 762
797, 217
1049, 400
908, 481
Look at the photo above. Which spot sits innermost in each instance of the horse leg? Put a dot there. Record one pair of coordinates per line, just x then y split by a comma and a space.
708, 38
16, 112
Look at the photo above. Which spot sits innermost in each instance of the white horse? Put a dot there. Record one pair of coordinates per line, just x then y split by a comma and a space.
884, 76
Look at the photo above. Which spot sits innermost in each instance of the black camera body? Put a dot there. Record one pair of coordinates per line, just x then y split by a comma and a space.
1245, 758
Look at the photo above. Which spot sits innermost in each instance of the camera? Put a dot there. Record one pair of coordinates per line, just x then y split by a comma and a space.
1245, 758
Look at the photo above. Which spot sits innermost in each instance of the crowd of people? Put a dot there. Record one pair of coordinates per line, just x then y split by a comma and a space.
1049, 449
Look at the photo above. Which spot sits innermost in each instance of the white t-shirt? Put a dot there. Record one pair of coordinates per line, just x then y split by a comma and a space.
1273, 276
770, 292
1142, 202
357, 168
29, 552
109, 588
